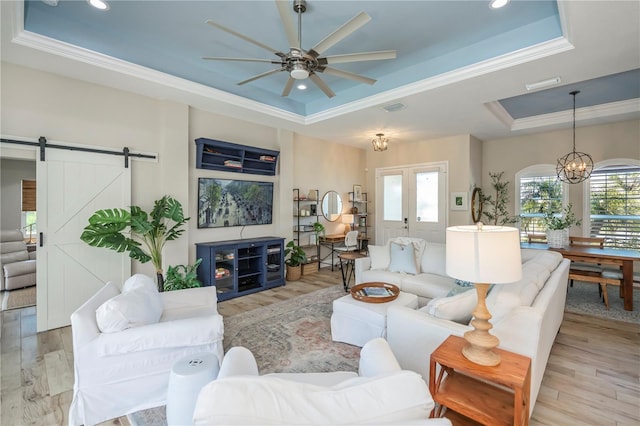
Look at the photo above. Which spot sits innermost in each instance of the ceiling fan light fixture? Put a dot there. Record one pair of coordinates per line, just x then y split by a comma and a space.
299, 72
380, 143
301, 86
575, 167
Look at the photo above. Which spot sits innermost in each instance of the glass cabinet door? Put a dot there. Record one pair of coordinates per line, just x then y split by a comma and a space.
225, 269
274, 262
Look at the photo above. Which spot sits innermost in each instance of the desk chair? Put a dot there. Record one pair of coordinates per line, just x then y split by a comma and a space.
350, 242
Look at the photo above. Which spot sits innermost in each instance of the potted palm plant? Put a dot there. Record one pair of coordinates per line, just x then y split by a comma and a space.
558, 226
295, 258
141, 234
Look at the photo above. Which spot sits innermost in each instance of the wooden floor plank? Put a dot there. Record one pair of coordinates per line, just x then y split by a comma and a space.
592, 375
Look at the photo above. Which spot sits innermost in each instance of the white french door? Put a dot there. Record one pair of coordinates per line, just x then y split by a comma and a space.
71, 186
411, 201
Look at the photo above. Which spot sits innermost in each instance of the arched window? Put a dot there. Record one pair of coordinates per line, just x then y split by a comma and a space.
614, 203
538, 190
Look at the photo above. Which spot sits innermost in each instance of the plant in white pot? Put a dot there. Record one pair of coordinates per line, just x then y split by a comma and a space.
558, 225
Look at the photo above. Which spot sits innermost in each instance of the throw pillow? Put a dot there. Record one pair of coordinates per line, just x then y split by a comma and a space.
460, 287
379, 256
402, 258
458, 308
138, 304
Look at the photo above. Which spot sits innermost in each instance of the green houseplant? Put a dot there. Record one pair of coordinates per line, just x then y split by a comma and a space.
141, 234
295, 257
180, 277
497, 213
318, 229
558, 226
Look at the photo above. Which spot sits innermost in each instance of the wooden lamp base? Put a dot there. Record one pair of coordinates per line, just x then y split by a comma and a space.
481, 343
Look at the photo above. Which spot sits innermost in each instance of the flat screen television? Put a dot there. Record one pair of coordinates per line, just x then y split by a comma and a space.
230, 202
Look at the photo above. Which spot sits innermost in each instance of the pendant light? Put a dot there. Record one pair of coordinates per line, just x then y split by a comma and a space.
380, 143
575, 167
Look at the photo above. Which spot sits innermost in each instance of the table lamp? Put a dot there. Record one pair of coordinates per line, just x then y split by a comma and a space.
483, 255
347, 219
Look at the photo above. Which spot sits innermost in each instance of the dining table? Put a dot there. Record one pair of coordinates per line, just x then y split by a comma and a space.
622, 258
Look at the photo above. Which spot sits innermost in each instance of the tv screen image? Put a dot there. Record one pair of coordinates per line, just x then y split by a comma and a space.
227, 202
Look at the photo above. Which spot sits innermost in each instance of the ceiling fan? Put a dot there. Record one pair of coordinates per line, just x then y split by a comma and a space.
302, 64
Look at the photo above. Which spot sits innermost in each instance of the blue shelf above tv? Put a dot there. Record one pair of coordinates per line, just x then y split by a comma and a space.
212, 154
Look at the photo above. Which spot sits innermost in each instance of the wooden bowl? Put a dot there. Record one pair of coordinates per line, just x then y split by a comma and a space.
378, 293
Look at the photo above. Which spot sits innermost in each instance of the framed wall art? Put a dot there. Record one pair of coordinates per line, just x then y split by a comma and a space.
460, 201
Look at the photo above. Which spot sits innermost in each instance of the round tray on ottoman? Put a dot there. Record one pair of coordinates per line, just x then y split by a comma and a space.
375, 292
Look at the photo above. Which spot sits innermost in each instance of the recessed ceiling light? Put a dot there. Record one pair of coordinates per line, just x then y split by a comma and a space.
544, 83
497, 4
398, 106
99, 4
301, 86
50, 2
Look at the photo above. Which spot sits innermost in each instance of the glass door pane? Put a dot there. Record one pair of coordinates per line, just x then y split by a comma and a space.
225, 270
426, 196
392, 197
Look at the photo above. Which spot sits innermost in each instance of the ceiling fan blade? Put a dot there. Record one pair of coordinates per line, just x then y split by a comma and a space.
244, 37
358, 57
255, 77
348, 75
322, 85
287, 23
288, 86
356, 22
217, 58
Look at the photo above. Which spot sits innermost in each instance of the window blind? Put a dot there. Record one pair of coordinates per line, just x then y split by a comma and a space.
28, 195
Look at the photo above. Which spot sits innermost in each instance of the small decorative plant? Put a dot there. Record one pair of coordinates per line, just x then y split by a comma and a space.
565, 220
295, 253
318, 228
180, 277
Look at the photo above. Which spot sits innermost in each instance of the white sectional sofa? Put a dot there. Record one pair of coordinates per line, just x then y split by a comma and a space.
526, 315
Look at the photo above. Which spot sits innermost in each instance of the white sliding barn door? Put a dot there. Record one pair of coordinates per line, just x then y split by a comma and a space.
71, 186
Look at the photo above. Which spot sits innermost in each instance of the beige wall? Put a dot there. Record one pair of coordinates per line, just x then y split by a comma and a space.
602, 142
12, 173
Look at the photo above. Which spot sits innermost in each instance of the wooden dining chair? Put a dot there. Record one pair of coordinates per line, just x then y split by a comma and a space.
588, 272
537, 238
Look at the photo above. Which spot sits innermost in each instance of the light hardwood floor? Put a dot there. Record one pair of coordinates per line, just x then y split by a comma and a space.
592, 378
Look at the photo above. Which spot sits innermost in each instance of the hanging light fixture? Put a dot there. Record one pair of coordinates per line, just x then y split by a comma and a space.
575, 167
380, 143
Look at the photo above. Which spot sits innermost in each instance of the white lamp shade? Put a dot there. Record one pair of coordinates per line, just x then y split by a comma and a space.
490, 254
347, 218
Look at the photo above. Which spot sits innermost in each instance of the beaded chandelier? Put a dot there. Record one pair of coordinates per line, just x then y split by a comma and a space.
575, 167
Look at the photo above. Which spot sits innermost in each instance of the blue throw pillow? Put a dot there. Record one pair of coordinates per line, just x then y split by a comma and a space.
402, 259
464, 283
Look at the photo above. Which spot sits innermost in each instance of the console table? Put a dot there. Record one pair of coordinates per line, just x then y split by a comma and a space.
333, 240
496, 395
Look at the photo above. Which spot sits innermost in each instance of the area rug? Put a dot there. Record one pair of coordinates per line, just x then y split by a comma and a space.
21, 298
289, 336
583, 298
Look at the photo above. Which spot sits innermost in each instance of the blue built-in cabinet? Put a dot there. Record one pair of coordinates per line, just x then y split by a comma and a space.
212, 154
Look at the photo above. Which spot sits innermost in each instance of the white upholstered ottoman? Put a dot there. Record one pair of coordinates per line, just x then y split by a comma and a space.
357, 322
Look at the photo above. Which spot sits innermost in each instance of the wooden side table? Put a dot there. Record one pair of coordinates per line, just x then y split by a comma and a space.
489, 395
348, 266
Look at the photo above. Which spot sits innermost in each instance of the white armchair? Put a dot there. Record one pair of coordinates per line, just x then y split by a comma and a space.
122, 372
381, 393
17, 264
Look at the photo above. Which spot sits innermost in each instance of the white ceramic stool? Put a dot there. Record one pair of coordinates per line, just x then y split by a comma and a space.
188, 377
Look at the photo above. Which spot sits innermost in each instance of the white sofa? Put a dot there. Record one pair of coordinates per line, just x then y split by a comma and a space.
381, 393
17, 264
431, 280
120, 372
526, 315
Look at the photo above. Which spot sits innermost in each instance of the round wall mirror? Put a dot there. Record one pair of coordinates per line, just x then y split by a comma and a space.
331, 206
476, 205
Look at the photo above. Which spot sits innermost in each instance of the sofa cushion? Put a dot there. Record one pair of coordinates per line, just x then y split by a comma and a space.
394, 398
427, 285
381, 275
433, 260
380, 256
403, 258
138, 304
